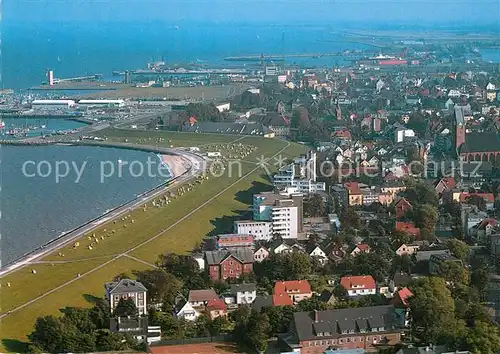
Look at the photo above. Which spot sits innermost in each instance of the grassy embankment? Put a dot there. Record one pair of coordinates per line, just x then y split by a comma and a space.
215, 217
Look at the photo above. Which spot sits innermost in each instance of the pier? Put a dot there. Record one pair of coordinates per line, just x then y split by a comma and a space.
278, 57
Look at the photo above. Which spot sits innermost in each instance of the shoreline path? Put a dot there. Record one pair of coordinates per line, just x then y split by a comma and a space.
197, 167
196, 163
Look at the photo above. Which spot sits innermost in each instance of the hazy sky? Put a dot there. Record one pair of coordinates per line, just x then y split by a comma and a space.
324, 11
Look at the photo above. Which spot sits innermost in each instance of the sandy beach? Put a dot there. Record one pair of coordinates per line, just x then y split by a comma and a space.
177, 165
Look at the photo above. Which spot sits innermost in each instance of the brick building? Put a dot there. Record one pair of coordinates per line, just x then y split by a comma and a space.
225, 264
364, 328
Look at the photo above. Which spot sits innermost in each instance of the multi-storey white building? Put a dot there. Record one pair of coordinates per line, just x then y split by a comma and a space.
273, 214
284, 211
126, 289
301, 175
261, 230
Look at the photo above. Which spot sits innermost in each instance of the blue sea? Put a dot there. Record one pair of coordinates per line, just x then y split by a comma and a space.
74, 50
36, 209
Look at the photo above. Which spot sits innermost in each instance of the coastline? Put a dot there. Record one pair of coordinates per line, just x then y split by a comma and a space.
181, 165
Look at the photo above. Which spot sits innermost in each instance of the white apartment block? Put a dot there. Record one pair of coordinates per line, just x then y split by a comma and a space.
283, 211
301, 174
260, 230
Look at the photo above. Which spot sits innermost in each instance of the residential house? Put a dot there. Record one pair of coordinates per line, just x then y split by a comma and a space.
423, 260
224, 265
489, 198
359, 248
484, 229
126, 289
407, 249
241, 294
355, 197
260, 254
359, 285
316, 252
186, 311
444, 184
393, 187
200, 298
353, 328
402, 207
401, 304
216, 308
297, 290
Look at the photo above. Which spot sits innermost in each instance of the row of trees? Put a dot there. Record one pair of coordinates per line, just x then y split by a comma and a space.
79, 330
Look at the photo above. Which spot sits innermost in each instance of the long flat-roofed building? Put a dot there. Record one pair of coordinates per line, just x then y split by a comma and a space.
101, 103
52, 104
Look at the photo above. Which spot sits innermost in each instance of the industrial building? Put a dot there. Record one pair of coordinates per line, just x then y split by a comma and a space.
52, 104
101, 103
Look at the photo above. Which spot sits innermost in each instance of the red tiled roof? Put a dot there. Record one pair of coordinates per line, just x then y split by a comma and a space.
403, 202
343, 134
485, 222
201, 295
358, 281
295, 286
404, 294
363, 247
353, 187
408, 227
216, 304
282, 300
448, 181
487, 196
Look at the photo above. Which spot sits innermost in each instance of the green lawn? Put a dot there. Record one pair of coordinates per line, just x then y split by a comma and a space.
175, 139
215, 217
18, 325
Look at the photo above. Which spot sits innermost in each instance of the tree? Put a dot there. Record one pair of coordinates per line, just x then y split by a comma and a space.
350, 219
279, 318
453, 272
162, 287
109, 341
314, 206
477, 201
459, 249
257, 331
482, 338
403, 263
421, 193
184, 268
78, 318
99, 314
426, 216
48, 333
432, 309
125, 307
219, 325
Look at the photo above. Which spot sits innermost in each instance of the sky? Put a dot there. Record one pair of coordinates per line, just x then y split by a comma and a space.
459, 12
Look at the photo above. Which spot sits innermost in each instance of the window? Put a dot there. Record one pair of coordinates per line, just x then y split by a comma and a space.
341, 341
361, 339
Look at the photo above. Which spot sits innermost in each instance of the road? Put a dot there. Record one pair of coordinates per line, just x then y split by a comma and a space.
192, 172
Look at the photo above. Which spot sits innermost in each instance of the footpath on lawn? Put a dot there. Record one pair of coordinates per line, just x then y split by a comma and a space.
208, 208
